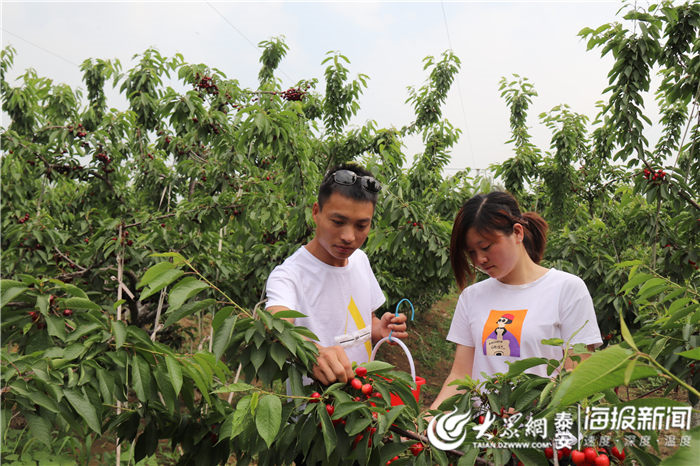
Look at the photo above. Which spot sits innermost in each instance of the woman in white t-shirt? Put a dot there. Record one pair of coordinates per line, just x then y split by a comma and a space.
505, 317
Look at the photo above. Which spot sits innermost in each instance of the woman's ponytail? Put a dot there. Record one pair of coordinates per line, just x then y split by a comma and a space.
535, 239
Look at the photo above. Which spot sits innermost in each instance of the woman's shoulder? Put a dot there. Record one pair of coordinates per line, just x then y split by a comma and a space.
564, 277
478, 288
567, 281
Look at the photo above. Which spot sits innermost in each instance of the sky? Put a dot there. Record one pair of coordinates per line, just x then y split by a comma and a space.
385, 40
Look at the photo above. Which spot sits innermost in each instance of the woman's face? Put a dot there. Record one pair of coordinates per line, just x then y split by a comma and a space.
495, 253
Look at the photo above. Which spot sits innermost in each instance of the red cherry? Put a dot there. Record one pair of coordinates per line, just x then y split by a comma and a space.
356, 383
361, 371
590, 453
315, 396
578, 457
481, 419
566, 452
602, 460
330, 409
67, 312
620, 455
377, 395
357, 440
366, 388
416, 449
549, 452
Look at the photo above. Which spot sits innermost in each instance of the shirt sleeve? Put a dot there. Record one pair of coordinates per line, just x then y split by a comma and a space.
376, 295
281, 289
578, 313
460, 331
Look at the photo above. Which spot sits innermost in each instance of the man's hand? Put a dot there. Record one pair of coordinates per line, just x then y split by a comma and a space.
332, 365
382, 327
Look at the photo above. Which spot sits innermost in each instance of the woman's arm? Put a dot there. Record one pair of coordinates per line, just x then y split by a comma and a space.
462, 365
569, 364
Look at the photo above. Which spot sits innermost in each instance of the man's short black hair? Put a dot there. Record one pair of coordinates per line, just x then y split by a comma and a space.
354, 191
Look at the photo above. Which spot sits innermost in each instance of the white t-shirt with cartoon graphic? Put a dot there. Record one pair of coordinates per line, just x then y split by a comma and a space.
338, 301
508, 322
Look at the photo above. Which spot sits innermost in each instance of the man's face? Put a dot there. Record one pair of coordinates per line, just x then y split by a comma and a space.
341, 227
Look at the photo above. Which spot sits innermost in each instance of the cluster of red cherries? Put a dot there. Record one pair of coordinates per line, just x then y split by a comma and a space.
651, 175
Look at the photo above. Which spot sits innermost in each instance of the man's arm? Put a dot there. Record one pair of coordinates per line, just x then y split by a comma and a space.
332, 364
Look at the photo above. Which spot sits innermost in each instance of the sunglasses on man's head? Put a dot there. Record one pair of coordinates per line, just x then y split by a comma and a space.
349, 178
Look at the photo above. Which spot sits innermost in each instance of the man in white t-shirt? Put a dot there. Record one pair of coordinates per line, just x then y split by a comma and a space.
330, 279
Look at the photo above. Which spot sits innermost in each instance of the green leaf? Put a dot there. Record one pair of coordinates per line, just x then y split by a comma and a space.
223, 335
160, 282
602, 370
691, 354
188, 309
119, 332
56, 327
154, 272
40, 428
177, 257
198, 380
375, 366
652, 287
553, 342
329, 436
175, 373
221, 316
9, 290
279, 354
636, 280
234, 424
686, 455
521, 365
80, 303
141, 377
629, 370
84, 408
268, 417
184, 290
288, 314
70, 289
343, 409
44, 401
235, 387
626, 335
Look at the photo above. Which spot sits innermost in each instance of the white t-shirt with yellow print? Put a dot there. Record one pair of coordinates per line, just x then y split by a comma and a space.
338, 301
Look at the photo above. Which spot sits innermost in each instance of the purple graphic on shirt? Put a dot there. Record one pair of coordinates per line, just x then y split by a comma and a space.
501, 342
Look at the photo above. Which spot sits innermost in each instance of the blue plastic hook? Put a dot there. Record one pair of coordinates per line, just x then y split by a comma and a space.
413, 312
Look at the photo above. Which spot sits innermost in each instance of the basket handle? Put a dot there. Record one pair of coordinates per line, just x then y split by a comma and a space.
413, 313
403, 346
